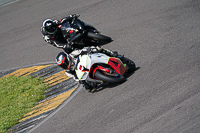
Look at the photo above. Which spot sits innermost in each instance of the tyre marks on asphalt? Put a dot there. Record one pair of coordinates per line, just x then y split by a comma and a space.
61, 88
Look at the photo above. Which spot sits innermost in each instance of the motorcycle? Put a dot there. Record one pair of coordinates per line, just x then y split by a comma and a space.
78, 31
96, 68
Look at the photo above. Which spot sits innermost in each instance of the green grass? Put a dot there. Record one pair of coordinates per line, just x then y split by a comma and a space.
17, 96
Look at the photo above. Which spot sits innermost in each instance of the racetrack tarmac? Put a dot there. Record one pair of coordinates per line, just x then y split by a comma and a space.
160, 36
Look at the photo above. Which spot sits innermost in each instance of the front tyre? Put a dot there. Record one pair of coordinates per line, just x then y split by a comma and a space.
99, 37
131, 65
110, 78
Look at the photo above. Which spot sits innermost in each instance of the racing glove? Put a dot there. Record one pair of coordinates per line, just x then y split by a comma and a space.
47, 39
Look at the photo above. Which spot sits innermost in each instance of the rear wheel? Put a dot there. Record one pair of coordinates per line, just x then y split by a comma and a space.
110, 78
99, 37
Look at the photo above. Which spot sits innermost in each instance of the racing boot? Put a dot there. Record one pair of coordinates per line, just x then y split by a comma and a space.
112, 54
107, 52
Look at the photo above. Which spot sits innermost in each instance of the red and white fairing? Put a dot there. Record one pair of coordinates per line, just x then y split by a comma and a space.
86, 65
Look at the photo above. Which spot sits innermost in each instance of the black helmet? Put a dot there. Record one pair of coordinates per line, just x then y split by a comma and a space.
49, 26
64, 60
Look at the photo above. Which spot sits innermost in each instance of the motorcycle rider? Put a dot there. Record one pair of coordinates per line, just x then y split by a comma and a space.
52, 34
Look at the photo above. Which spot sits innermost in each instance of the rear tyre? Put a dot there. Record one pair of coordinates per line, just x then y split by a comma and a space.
99, 37
110, 78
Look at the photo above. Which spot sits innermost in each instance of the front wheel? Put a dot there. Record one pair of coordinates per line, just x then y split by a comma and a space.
131, 65
99, 37
110, 78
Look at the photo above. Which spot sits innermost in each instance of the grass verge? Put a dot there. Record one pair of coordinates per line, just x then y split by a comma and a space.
17, 96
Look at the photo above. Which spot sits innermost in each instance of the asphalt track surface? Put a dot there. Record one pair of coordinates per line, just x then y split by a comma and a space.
160, 36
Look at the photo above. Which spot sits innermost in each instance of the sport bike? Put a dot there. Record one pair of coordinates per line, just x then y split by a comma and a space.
96, 68
78, 31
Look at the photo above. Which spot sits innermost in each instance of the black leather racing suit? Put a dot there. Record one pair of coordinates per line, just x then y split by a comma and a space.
57, 38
